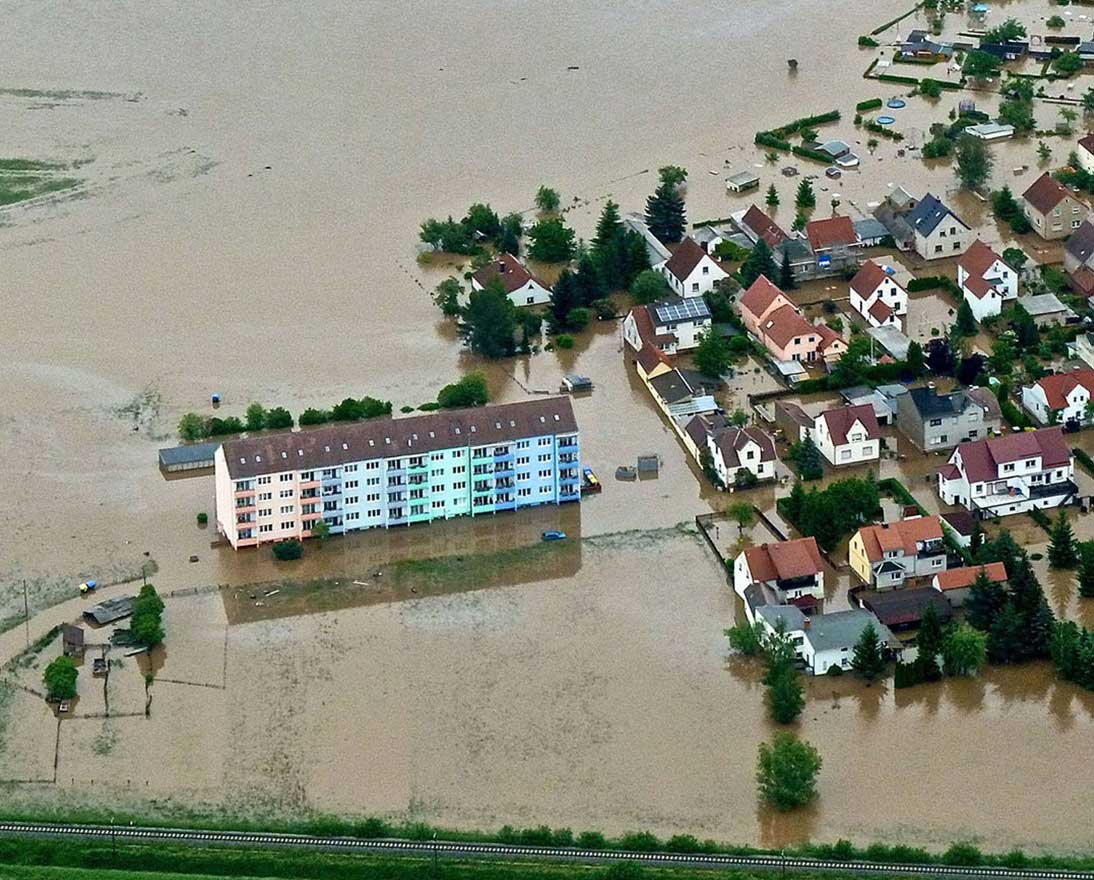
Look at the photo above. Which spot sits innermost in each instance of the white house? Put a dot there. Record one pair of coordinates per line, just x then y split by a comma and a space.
524, 289
938, 232
734, 448
1010, 474
691, 271
1065, 394
1084, 149
778, 573
986, 281
823, 641
671, 326
878, 296
848, 435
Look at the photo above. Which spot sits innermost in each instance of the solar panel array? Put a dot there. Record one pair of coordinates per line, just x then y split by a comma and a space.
684, 310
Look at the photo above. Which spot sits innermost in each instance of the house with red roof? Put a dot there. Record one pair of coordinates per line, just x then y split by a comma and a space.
986, 281
1053, 209
833, 241
1059, 398
780, 573
691, 271
1011, 474
1084, 149
956, 583
878, 296
757, 225
523, 288
758, 302
848, 434
887, 555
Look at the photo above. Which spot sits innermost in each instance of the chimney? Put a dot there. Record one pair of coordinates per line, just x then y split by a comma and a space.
501, 265
807, 624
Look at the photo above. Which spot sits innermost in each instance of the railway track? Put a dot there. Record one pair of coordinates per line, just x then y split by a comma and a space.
459, 850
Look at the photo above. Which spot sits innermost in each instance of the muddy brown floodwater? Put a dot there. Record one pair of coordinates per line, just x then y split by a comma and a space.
253, 179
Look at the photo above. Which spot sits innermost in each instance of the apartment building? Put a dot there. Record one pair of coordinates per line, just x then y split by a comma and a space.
390, 472
1010, 474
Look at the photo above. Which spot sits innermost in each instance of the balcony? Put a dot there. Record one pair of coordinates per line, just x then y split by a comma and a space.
1052, 490
567, 457
309, 484
329, 491
246, 542
417, 480
567, 442
311, 517
248, 508
245, 493
503, 470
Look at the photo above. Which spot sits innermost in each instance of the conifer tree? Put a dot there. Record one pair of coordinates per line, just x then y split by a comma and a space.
665, 213
1086, 569
1061, 549
867, 660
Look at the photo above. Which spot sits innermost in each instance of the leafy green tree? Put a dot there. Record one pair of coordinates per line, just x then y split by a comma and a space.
320, 530
868, 660
742, 513
759, 262
278, 418
547, 199
964, 650
589, 281
1067, 63
489, 322
256, 417
146, 625
469, 391
785, 694
787, 771
285, 551
1025, 329
1015, 258
712, 357
928, 643
192, 428
665, 213
450, 236
807, 457
578, 319
1044, 151
1088, 102
509, 234
1003, 354
772, 199
566, 296
738, 418
1008, 31
974, 162
851, 367
930, 88
1068, 116
747, 640
806, 199
60, 678
1061, 548
552, 241
1055, 21
786, 273
649, 286
1019, 114
1086, 569
447, 297
979, 65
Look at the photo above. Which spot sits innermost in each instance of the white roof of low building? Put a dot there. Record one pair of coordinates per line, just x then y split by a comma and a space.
1044, 304
892, 340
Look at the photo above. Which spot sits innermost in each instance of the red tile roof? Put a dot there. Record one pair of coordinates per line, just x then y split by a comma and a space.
784, 324
880, 311
868, 277
958, 578
840, 420
1059, 385
828, 337
686, 257
831, 232
1082, 281
981, 458
978, 259
903, 535
759, 296
512, 273
763, 226
979, 286
784, 560
949, 472
1087, 143
1045, 193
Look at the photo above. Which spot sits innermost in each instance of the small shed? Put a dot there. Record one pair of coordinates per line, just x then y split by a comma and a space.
649, 464
110, 610
741, 181
904, 608
990, 131
188, 458
72, 641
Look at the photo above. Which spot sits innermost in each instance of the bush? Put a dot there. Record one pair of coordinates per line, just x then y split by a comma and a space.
203, 518
1084, 459
963, 854
60, 678
592, 840
468, 391
312, 416
287, 550
872, 104
640, 841
835, 671
746, 639
564, 340
868, 43
578, 318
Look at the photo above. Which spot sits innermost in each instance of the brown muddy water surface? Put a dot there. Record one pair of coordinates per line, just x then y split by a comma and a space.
253, 183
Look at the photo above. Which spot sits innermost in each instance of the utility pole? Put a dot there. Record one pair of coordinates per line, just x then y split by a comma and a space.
434, 853
113, 844
26, 612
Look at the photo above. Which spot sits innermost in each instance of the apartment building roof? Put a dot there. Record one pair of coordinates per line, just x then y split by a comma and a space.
981, 458
879, 539
1059, 385
333, 445
784, 560
840, 420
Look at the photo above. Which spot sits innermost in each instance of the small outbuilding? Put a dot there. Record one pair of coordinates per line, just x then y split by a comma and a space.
904, 608
188, 458
742, 181
110, 610
72, 641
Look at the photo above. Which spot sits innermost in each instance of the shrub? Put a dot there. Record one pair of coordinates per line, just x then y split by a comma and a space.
468, 391
641, 841
964, 854
835, 671
872, 104
60, 678
287, 550
578, 318
592, 840
203, 518
746, 639
868, 43
564, 340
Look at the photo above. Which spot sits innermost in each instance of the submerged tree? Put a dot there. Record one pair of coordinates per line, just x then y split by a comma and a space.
787, 771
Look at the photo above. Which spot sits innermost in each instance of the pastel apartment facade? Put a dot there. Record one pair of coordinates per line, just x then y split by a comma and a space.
387, 472
1011, 474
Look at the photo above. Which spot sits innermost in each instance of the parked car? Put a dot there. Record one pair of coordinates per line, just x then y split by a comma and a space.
554, 535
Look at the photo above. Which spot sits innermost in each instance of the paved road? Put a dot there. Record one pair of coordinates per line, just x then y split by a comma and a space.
458, 850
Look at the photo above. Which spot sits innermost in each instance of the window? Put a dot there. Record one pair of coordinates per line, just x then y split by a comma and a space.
546, 457
459, 487
522, 459
286, 508
845, 455
544, 441
287, 524
438, 505
706, 269
350, 517
944, 438
373, 513
938, 248
264, 481
350, 468
530, 301
1008, 468
374, 496
457, 453
750, 454
545, 475
371, 465
284, 478
973, 433
544, 490
1031, 462
957, 245
351, 499
935, 563
934, 423
460, 469
265, 511
523, 493
266, 527
265, 496
522, 444
372, 481
351, 484
285, 493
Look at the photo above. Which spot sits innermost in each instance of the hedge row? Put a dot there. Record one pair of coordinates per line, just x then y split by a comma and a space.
1085, 460
872, 104
900, 492
892, 77
815, 155
767, 139
1038, 516
930, 282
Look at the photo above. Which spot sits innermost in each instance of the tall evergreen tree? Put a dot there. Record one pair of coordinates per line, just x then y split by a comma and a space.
566, 296
928, 643
589, 280
984, 602
1086, 569
867, 660
1061, 548
786, 273
489, 322
610, 248
638, 258
965, 323
772, 199
608, 227
759, 262
665, 213
1005, 637
805, 199
976, 540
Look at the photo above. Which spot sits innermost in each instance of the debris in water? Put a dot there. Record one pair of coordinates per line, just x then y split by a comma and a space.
271, 592
573, 67
193, 557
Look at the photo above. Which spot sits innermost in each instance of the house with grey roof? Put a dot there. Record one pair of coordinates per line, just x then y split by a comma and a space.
824, 641
934, 421
655, 251
938, 231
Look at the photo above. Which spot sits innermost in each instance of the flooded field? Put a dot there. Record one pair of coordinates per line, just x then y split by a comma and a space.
251, 187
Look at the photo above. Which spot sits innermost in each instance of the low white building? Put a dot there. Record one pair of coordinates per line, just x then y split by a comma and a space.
691, 271
734, 448
1010, 474
523, 288
1060, 398
986, 281
824, 641
878, 296
848, 435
